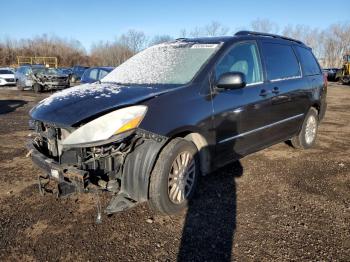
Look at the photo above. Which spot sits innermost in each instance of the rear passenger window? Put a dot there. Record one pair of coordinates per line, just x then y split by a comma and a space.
281, 62
308, 62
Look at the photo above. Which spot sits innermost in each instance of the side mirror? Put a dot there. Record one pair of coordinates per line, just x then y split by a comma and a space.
231, 80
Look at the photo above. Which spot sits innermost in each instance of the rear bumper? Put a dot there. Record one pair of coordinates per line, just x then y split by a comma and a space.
3, 82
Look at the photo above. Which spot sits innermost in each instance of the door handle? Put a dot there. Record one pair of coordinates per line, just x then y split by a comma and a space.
264, 92
275, 90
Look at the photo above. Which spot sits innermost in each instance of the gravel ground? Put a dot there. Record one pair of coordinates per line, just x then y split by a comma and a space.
277, 204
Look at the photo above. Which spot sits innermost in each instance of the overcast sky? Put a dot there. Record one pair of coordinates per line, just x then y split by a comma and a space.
94, 20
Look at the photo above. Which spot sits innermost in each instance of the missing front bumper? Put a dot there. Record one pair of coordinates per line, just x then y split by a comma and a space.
125, 177
69, 180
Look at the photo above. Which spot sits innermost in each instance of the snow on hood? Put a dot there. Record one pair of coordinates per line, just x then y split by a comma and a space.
73, 105
98, 90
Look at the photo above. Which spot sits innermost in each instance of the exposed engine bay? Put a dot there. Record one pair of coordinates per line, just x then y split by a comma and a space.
113, 167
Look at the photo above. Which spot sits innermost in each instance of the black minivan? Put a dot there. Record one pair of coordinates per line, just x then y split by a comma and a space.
176, 110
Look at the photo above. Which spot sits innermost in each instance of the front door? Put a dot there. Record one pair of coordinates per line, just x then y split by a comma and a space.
240, 115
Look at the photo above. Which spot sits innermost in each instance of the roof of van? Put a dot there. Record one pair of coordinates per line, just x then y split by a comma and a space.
243, 35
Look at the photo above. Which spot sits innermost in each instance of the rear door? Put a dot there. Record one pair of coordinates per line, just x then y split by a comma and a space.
310, 66
240, 114
288, 87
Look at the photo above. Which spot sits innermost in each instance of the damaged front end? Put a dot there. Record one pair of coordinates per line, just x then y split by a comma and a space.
119, 166
51, 82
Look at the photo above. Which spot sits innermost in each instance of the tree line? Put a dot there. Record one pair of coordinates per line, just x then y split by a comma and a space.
329, 45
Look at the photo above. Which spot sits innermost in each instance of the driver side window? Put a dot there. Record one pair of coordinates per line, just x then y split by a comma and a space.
244, 58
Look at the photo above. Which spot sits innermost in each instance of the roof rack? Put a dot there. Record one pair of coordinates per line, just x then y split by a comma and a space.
241, 33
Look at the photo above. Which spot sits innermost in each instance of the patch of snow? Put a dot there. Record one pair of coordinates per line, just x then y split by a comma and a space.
98, 90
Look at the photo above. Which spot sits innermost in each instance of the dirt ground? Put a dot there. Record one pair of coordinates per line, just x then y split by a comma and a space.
277, 204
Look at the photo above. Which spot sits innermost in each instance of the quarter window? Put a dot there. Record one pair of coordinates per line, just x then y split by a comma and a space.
244, 58
281, 62
308, 62
103, 73
93, 74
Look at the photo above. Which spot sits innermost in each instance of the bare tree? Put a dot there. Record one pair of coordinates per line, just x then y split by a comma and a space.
183, 33
68, 52
109, 54
329, 45
215, 29
158, 39
336, 43
196, 32
134, 40
264, 25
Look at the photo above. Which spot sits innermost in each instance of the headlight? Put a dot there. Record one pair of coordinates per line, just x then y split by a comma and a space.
106, 126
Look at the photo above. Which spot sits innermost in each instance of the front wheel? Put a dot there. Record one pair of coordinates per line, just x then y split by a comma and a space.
19, 87
73, 79
307, 136
174, 177
37, 88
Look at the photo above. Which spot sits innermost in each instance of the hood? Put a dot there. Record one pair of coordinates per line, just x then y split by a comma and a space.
75, 104
7, 76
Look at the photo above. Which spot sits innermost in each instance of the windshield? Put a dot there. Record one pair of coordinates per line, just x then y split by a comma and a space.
5, 72
48, 71
37, 70
170, 63
80, 70
52, 71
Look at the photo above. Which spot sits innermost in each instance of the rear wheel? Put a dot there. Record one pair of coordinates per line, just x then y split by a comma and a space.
174, 177
307, 136
345, 80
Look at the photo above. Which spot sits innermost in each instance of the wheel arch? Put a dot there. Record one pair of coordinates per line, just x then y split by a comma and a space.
202, 146
317, 106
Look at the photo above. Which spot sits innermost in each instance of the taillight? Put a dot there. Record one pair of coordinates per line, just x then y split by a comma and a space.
325, 84
325, 81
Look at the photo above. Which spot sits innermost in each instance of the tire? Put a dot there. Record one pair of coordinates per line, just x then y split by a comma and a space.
345, 80
308, 133
164, 196
19, 87
73, 79
37, 88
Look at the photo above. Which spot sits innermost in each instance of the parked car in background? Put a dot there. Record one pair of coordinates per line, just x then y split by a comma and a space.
331, 73
65, 70
94, 74
77, 72
7, 77
40, 78
23, 75
175, 110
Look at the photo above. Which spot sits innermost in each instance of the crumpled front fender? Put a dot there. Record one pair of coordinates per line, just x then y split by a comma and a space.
138, 167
